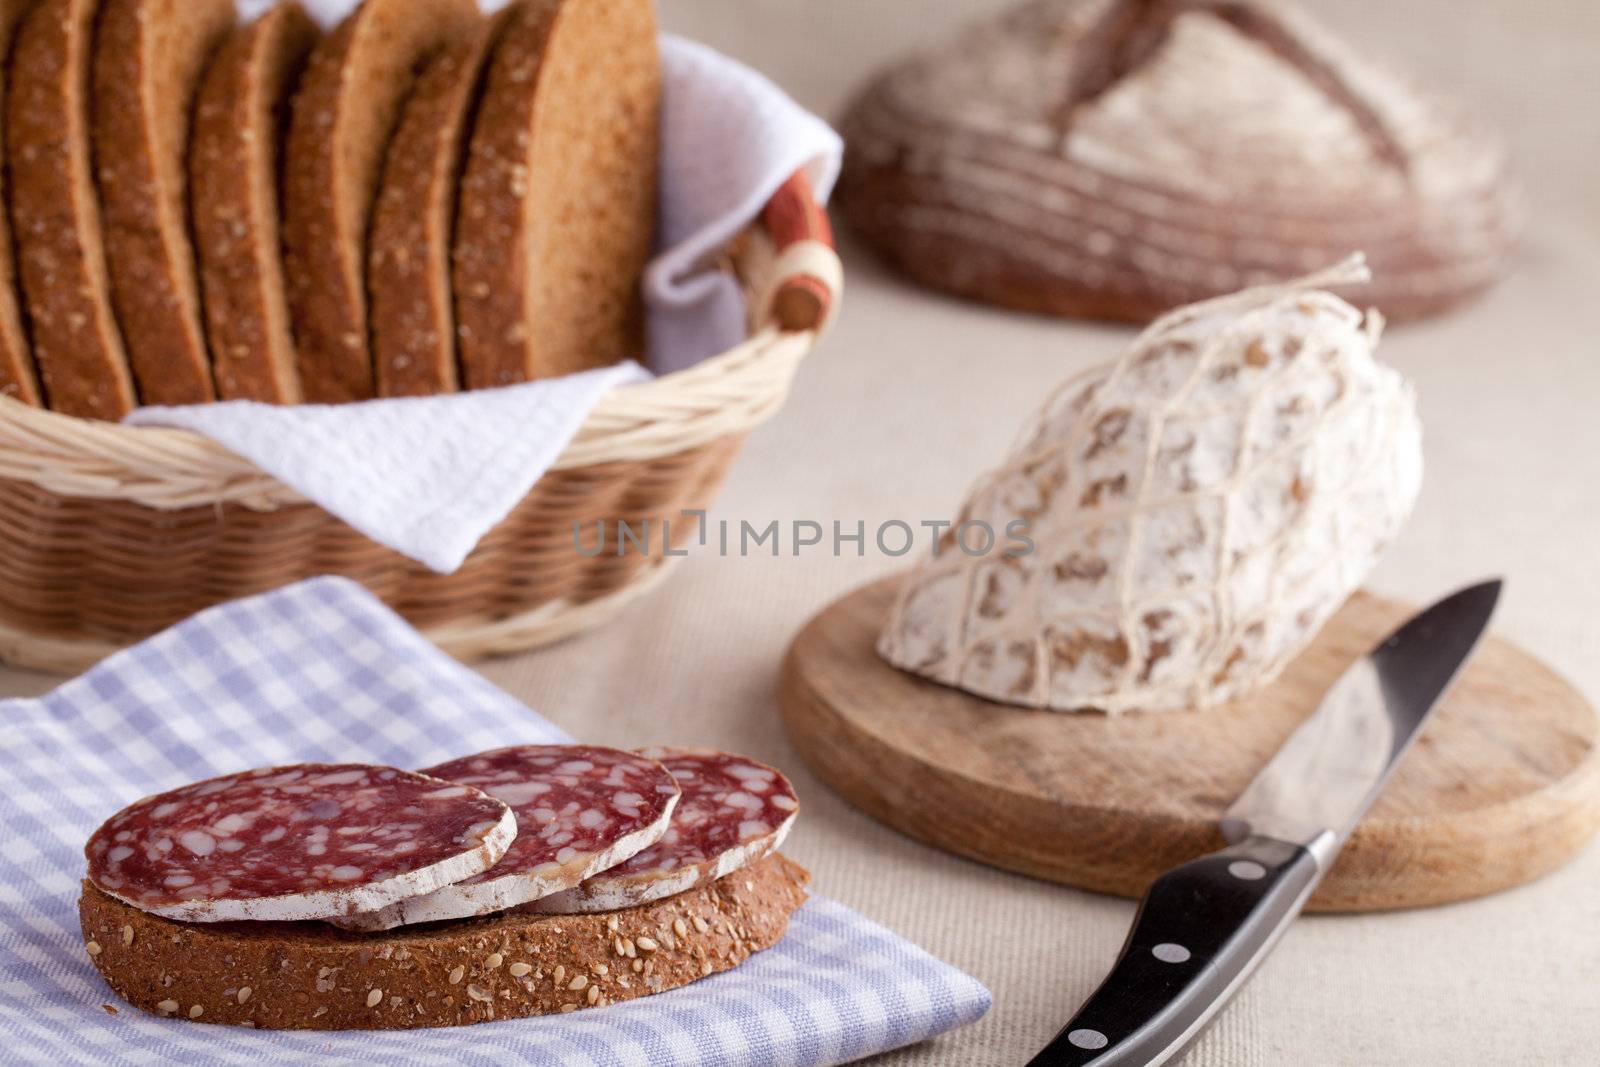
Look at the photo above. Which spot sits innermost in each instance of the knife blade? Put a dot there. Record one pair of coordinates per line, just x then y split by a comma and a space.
1203, 927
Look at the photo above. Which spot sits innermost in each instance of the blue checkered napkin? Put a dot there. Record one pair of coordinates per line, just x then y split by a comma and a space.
321, 671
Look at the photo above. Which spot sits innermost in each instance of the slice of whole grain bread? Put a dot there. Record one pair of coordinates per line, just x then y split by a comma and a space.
241, 115
148, 57
19, 379
314, 976
413, 317
344, 113
55, 214
558, 199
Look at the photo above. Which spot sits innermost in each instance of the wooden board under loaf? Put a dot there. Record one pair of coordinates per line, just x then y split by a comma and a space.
1502, 786
240, 118
344, 113
558, 201
55, 214
18, 377
312, 976
413, 316
148, 59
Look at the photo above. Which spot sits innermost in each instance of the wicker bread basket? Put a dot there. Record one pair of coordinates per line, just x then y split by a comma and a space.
109, 533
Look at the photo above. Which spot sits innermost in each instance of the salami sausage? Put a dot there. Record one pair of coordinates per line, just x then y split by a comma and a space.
733, 812
309, 841
580, 809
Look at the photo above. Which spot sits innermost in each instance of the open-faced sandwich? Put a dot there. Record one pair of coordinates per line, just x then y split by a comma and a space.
521, 881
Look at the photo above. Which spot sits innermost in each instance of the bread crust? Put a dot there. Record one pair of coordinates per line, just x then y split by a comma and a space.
1153, 155
148, 58
55, 215
558, 201
413, 315
19, 379
312, 976
343, 115
239, 123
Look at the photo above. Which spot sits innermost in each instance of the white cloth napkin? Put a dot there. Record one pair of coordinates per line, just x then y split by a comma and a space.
430, 476
321, 671
729, 139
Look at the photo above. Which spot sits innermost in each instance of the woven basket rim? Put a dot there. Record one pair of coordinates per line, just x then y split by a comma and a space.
621, 404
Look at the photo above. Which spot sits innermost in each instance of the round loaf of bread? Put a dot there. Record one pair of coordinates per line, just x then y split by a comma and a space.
1117, 158
313, 976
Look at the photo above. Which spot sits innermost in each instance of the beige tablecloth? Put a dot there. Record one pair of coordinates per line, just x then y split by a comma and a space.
914, 394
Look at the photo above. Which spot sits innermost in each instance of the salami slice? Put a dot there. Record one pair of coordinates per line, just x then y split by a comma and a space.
733, 812
580, 809
309, 841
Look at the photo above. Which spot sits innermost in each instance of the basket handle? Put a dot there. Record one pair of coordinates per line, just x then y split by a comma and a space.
807, 276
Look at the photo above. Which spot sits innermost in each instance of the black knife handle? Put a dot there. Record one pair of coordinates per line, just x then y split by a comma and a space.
1200, 931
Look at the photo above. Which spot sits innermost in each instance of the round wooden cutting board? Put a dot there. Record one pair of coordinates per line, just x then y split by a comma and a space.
1502, 786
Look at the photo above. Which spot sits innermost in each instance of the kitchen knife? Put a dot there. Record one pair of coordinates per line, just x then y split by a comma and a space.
1203, 927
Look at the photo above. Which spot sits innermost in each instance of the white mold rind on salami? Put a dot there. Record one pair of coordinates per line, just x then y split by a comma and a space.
581, 809
307, 841
1198, 508
733, 812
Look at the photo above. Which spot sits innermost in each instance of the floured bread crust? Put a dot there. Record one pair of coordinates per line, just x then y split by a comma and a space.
55, 214
558, 200
344, 113
311, 976
1198, 509
148, 59
240, 120
19, 379
413, 315
1117, 158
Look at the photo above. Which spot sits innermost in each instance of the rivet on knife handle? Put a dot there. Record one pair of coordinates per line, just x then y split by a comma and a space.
1201, 930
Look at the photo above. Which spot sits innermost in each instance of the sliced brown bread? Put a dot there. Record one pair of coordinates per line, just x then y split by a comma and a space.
55, 214
558, 199
344, 112
413, 319
148, 57
241, 115
312, 976
18, 377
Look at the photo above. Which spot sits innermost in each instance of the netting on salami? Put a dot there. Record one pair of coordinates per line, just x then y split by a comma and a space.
580, 809
309, 841
733, 812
